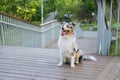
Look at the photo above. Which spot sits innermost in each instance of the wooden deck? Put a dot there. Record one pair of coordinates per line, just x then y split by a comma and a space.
41, 64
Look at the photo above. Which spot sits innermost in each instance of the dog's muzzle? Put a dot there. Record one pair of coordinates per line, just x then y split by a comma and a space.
64, 32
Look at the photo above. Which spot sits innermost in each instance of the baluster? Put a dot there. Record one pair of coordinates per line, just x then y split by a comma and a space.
2, 31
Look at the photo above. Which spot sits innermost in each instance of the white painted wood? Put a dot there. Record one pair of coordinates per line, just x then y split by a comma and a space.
118, 15
2, 35
104, 34
19, 33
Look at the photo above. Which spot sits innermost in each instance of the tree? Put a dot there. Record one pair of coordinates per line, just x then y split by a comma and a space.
27, 8
66, 6
84, 10
8, 6
80, 9
49, 6
20, 8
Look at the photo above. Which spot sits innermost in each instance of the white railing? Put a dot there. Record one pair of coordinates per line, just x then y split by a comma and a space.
16, 32
79, 30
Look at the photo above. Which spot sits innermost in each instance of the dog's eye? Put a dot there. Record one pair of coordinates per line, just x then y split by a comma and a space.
65, 30
68, 26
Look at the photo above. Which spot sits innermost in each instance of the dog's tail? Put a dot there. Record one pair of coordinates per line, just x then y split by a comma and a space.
89, 57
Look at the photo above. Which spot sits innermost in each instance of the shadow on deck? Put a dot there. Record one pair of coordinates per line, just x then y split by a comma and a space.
41, 64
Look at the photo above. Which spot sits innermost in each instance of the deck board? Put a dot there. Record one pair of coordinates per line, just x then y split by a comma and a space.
18, 63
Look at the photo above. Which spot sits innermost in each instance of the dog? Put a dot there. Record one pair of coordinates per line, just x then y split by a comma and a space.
67, 44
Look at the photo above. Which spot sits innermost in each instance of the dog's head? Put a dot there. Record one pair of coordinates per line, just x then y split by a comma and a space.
67, 29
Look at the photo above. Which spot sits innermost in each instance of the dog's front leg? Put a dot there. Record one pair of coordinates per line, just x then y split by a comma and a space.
61, 60
77, 60
72, 61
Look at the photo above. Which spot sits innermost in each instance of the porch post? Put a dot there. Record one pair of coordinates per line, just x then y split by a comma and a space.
116, 50
110, 22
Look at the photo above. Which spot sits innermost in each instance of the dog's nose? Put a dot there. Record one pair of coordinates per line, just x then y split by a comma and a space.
62, 28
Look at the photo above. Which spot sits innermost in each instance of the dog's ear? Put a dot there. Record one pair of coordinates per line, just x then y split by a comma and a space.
74, 49
73, 24
77, 51
62, 24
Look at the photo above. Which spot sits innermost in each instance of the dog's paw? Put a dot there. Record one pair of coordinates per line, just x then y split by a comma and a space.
76, 62
59, 65
72, 66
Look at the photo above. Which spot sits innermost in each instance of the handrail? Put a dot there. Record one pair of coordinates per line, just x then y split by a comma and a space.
36, 29
17, 32
20, 26
48, 23
17, 18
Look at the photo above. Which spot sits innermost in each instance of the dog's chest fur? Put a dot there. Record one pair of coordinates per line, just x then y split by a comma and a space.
66, 45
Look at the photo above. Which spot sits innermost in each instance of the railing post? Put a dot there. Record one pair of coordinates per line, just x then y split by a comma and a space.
42, 37
2, 31
53, 32
118, 15
110, 21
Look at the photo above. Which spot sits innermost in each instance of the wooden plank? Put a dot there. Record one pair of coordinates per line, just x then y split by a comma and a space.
41, 64
47, 70
6, 76
3, 77
44, 74
117, 77
64, 69
39, 74
114, 73
51, 62
107, 70
46, 65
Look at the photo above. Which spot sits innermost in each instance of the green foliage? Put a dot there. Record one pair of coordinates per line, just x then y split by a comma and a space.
49, 6
113, 46
36, 22
85, 9
31, 9
8, 6
20, 8
27, 8
80, 9
66, 6
86, 26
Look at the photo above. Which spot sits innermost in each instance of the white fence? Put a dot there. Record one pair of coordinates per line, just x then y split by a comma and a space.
15, 32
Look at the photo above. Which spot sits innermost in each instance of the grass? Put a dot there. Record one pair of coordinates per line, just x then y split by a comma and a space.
113, 46
87, 26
